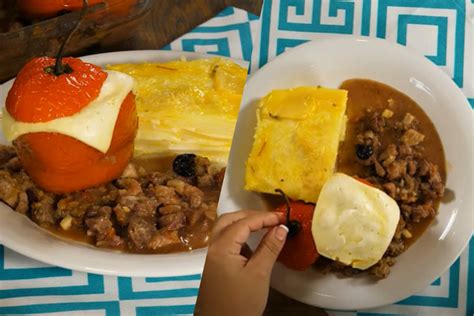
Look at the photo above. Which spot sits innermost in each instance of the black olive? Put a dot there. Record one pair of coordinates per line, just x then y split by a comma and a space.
185, 165
293, 228
364, 152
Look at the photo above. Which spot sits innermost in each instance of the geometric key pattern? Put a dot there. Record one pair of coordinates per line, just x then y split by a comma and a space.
222, 36
441, 30
28, 287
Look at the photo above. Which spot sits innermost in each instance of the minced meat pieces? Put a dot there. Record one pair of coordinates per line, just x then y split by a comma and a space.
208, 174
140, 231
391, 189
158, 178
382, 268
395, 248
43, 208
398, 167
417, 212
6, 153
376, 122
77, 204
164, 238
140, 211
14, 164
43, 213
173, 221
405, 151
145, 207
129, 186
193, 216
379, 169
205, 181
9, 188
170, 208
219, 177
412, 167
202, 166
164, 194
190, 193
100, 226
389, 155
122, 214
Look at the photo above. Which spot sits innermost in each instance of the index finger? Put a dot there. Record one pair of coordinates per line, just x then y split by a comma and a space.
234, 236
230, 218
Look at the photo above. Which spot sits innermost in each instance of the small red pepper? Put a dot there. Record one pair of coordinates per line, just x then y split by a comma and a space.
299, 252
47, 89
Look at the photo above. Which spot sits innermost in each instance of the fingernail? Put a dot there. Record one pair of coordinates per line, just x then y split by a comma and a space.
281, 232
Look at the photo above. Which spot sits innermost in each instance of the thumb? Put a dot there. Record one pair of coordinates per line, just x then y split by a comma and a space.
267, 252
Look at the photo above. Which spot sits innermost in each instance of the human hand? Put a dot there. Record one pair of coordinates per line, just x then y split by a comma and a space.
234, 284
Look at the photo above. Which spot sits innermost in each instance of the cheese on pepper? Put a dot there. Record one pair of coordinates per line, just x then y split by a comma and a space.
93, 125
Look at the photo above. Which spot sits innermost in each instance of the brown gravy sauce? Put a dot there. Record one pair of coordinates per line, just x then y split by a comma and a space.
194, 237
367, 94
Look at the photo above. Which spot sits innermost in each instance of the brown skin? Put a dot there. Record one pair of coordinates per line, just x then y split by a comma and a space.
234, 284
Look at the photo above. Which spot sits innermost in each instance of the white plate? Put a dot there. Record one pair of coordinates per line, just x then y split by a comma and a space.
328, 63
20, 234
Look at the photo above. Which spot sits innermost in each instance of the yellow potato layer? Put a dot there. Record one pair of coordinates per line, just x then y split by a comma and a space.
296, 141
186, 106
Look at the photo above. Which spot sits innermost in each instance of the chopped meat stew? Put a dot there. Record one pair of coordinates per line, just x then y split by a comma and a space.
143, 211
392, 143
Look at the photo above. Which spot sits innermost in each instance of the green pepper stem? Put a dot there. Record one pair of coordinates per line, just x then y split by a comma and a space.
59, 68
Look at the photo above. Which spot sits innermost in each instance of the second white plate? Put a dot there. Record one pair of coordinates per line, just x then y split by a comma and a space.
328, 63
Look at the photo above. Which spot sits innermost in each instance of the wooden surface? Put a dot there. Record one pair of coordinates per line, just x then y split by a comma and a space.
169, 19
166, 21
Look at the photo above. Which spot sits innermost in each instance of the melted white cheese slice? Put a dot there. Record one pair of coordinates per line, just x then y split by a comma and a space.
353, 223
93, 125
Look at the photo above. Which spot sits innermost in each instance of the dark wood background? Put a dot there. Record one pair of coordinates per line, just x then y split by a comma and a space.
170, 19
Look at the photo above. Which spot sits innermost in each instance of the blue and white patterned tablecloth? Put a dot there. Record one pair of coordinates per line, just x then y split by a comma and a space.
440, 29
